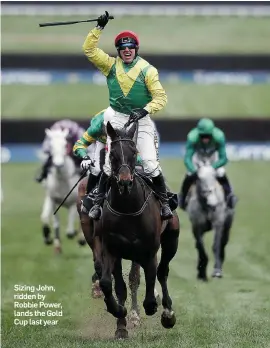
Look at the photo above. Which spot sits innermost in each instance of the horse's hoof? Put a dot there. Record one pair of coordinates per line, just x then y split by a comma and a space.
202, 278
48, 241
57, 246
82, 242
134, 319
217, 273
150, 308
71, 235
121, 334
168, 319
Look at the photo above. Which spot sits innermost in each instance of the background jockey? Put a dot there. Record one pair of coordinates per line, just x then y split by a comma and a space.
75, 132
135, 93
94, 134
206, 142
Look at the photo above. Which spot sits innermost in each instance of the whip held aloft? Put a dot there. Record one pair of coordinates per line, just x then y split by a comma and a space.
70, 22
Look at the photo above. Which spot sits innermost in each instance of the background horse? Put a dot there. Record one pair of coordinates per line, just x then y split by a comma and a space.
130, 228
60, 179
207, 210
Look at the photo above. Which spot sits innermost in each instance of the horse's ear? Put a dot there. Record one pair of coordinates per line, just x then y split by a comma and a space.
132, 130
48, 132
110, 131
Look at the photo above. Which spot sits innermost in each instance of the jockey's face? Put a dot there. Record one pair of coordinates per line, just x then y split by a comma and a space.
205, 139
127, 54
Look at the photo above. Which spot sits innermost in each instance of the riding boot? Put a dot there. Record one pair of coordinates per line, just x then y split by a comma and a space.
96, 210
160, 189
87, 200
230, 198
188, 181
44, 170
92, 181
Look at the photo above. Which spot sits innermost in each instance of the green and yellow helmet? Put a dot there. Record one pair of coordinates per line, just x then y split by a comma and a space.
205, 126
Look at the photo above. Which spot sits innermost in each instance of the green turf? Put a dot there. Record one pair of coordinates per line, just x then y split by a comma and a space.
85, 100
157, 34
228, 313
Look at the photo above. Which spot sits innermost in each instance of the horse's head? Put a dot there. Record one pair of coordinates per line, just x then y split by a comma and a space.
58, 145
123, 156
207, 185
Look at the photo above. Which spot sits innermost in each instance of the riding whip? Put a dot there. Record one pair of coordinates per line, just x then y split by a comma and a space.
81, 177
70, 22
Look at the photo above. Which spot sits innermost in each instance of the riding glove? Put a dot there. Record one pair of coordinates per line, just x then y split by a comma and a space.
86, 163
103, 20
137, 114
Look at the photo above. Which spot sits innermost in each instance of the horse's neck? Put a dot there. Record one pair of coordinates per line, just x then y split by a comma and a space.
128, 203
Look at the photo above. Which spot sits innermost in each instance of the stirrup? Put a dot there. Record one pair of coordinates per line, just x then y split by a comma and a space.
95, 212
169, 214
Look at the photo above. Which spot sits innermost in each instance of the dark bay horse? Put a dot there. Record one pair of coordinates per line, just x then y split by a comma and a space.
92, 239
131, 228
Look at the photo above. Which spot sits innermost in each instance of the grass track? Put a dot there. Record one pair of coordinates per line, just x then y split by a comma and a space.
230, 313
175, 34
83, 101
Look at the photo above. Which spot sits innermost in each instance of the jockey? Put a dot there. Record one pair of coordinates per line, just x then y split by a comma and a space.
75, 132
206, 142
134, 92
95, 133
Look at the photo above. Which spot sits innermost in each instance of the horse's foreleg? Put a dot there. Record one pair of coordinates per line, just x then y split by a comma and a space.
121, 293
45, 218
72, 213
225, 235
169, 246
150, 272
113, 307
96, 249
56, 227
217, 250
134, 283
202, 256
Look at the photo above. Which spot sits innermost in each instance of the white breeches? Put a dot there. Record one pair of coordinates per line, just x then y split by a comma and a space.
197, 159
94, 153
146, 144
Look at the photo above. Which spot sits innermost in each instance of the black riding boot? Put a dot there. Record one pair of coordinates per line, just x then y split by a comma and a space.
87, 199
96, 210
45, 169
229, 196
91, 183
188, 181
160, 189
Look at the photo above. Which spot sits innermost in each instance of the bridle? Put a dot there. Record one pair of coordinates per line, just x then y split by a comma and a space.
123, 164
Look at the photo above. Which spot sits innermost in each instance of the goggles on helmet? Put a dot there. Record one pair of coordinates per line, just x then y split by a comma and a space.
126, 42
